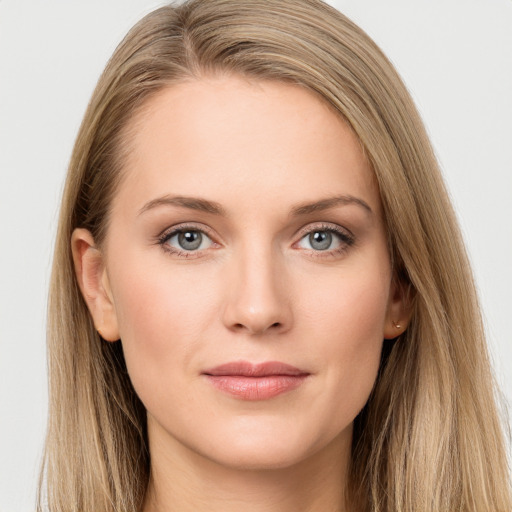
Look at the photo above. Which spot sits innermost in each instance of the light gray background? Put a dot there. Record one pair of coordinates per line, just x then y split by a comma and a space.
455, 56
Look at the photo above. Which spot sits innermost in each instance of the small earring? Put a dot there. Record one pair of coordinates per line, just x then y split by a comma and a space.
397, 326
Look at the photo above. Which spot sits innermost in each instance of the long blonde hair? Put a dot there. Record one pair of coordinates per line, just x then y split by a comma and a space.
429, 438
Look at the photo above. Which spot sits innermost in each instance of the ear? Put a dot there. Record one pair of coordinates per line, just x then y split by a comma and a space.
399, 309
94, 283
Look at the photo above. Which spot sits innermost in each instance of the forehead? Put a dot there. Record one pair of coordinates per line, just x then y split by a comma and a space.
223, 138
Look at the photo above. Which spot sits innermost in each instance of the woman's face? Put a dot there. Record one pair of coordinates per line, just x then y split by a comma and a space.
247, 229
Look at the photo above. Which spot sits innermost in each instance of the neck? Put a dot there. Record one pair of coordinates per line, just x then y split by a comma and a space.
183, 480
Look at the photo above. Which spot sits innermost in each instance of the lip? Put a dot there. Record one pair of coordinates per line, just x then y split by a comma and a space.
262, 381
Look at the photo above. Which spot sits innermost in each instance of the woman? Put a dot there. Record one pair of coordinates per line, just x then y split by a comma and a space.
260, 298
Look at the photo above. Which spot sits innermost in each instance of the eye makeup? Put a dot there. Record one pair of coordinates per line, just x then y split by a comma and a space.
320, 237
194, 240
318, 240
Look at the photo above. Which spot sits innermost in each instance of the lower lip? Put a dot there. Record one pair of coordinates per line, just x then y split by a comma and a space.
256, 388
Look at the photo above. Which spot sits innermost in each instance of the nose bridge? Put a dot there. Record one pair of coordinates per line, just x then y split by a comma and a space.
257, 299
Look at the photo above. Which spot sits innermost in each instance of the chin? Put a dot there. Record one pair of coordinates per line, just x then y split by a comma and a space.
269, 448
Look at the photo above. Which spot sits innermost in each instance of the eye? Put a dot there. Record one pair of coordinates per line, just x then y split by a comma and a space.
320, 240
325, 239
187, 240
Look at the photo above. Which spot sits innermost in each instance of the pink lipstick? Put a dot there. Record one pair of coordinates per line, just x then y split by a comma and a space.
262, 381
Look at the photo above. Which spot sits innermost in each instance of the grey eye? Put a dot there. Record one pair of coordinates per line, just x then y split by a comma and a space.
189, 240
320, 240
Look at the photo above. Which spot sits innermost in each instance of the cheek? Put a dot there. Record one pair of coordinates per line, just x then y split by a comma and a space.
159, 323
349, 306
346, 322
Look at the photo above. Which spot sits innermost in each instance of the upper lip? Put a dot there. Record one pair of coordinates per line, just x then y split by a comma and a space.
247, 369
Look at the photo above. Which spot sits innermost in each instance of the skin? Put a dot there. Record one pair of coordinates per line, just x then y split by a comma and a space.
256, 290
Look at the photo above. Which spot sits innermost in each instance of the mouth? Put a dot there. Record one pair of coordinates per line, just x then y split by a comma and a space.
248, 381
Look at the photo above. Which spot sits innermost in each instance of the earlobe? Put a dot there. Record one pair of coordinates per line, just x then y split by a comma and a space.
399, 309
94, 283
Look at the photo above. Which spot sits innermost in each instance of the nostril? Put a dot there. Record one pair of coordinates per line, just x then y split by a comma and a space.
255, 329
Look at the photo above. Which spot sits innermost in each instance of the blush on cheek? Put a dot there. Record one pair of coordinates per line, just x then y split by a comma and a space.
159, 319
351, 308
351, 317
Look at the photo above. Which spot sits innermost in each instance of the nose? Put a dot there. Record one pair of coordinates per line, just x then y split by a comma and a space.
257, 297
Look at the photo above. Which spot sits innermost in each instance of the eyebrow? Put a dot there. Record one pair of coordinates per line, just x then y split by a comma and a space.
203, 205
326, 204
192, 203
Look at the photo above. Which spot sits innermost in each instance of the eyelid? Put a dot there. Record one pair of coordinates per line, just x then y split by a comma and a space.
325, 226
346, 238
183, 226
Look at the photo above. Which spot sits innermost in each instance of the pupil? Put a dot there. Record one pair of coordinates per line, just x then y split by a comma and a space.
190, 240
320, 240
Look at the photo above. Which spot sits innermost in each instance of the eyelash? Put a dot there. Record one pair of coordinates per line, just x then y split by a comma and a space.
346, 238
164, 237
